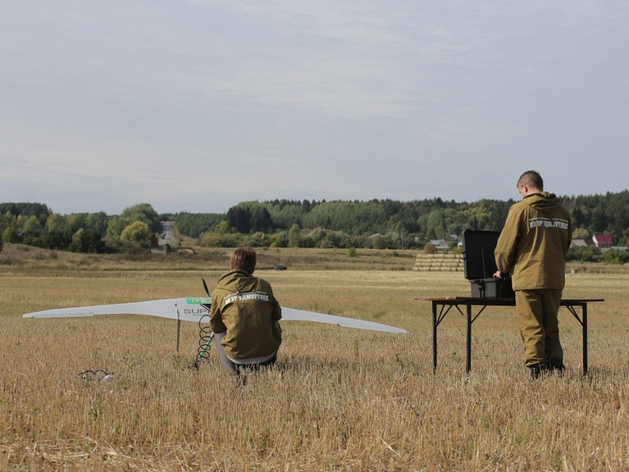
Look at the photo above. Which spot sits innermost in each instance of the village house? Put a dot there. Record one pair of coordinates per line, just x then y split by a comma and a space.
581, 242
602, 241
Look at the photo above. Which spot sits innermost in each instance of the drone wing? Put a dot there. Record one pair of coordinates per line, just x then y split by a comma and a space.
185, 309
192, 309
290, 314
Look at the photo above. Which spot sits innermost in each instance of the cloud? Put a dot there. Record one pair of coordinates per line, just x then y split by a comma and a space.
198, 104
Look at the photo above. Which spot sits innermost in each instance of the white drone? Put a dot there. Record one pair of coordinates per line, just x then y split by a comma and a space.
197, 309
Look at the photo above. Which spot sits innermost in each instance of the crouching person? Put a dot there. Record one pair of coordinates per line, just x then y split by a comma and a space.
245, 316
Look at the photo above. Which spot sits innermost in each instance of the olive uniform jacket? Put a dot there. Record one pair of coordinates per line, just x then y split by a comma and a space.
532, 246
244, 307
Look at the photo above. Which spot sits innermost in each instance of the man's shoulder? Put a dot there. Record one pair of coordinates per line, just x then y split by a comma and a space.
519, 207
262, 283
564, 209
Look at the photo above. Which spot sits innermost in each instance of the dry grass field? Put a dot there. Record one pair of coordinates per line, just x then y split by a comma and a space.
338, 399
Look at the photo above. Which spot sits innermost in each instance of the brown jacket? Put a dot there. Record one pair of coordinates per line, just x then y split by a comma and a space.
534, 242
245, 308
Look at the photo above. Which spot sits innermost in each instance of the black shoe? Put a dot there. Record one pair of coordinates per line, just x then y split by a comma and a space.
538, 369
556, 363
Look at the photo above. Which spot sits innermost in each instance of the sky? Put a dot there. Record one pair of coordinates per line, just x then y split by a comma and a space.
197, 105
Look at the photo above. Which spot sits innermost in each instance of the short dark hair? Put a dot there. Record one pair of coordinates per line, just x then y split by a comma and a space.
243, 258
532, 179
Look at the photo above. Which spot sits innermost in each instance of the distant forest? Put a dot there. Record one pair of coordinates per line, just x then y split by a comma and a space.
388, 223
291, 223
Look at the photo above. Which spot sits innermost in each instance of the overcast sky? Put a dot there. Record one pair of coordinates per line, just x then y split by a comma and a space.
196, 105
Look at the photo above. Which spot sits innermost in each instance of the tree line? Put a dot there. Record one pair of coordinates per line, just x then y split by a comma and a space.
385, 223
35, 224
294, 223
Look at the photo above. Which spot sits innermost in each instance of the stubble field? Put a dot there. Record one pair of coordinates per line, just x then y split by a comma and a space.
338, 399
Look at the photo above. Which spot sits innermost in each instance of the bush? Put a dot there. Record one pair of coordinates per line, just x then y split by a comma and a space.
430, 249
279, 240
615, 256
87, 240
256, 240
137, 232
380, 242
583, 254
221, 240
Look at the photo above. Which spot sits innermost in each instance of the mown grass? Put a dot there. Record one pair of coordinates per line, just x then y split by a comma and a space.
338, 399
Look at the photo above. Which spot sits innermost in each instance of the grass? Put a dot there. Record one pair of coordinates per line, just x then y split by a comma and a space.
26, 258
338, 399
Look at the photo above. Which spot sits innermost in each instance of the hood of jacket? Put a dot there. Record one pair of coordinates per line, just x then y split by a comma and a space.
238, 281
544, 202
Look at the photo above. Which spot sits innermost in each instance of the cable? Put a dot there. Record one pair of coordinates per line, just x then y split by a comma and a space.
99, 375
205, 333
205, 339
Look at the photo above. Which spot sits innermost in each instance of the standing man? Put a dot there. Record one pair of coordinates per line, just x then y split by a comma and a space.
245, 316
532, 248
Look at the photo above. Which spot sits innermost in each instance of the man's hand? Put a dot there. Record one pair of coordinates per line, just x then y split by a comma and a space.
501, 275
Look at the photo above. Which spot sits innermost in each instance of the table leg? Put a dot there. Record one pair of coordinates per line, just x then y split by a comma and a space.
434, 336
584, 311
468, 365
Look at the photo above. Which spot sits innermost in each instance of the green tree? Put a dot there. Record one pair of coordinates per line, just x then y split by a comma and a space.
261, 219
239, 218
332, 239
115, 227
12, 228
76, 221
143, 212
195, 224
223, 227
33, 231
87, 240
279, 239
138, 232
294, 236
58, 234
98, 222
26, 209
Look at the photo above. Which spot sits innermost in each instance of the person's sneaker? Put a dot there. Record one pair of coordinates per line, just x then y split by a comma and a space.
537, 369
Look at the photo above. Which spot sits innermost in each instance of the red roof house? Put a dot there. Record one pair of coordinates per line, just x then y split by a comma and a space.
602, 240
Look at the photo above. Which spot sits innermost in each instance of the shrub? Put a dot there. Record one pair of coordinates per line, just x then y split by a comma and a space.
583, 254
615, 256
137, 232
221, 240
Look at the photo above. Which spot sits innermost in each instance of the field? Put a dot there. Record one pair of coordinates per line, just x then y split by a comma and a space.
338, 399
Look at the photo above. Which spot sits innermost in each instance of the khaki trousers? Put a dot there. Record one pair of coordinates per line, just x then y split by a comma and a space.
227, 362
537, 318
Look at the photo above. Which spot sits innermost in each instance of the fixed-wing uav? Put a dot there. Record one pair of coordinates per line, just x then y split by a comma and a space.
194, 309
197, 309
